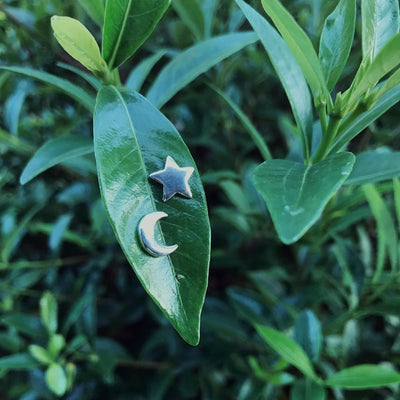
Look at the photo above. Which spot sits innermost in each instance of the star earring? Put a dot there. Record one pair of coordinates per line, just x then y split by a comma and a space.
175, 180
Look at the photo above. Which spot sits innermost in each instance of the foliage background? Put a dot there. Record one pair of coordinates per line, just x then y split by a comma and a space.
55, 236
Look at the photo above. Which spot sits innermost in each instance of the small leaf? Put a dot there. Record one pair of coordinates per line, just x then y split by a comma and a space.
128, 23
192, 15
288, 71
296, 194
56, 344
40, 354
54, 152
65, 86
374, 166
336, 41
192, 62
78, 42
288, 349
380, 21
387, 234
48, 311
56, 379
301, 47
307, 390
133, 140
95, 10
58, 230
363, 377
308, 334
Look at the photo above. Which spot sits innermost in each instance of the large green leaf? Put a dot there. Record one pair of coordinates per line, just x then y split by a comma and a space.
192, 15
65, 86
296, 194
288, 71
288, 349
380, 21
189, 64
127, 24
301, 47
54, 152
374, 166
132, 140
362, 377
336, 41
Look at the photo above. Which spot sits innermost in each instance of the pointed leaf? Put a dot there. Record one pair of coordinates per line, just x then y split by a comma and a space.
362, 377
374, 166
296, 194
54, 152
78, 42
132, 140
300, 45
65, 86
127, 24
189, 64
380, 21
336, 41
288, 71
288, 349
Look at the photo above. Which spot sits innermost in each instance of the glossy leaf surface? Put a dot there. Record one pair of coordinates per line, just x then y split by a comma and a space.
191, 63
374, 166
287, 69
288, 349
363, 376
336, 41
65, 86
127, 24
300, 45
132, 140
54, 152
78, 42
296, 194
380, 21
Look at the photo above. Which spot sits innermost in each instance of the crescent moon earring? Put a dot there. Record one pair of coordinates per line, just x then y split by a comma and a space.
146, 231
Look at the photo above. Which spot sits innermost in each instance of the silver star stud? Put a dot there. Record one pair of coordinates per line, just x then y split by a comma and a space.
174, 179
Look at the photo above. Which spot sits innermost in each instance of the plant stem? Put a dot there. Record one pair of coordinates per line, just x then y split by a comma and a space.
328, 139
322, 117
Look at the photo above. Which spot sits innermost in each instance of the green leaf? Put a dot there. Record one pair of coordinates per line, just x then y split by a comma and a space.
380, 21
374, 166
17, 362
287, 70
192, 15
58, 231
54, 152
141, 71
68, 88
396, 188
78, 42
192, 62
301, 47
307, 390
56, 379
363, 121
296, 194
387, 234
308, 334
363, 377
48, 311
89, 78
288, 349
128, 23
40, 354
132, 140
95, 10
368, 76
336, 41
56, 344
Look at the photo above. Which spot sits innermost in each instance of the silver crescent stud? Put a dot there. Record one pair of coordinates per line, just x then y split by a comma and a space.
146, 231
